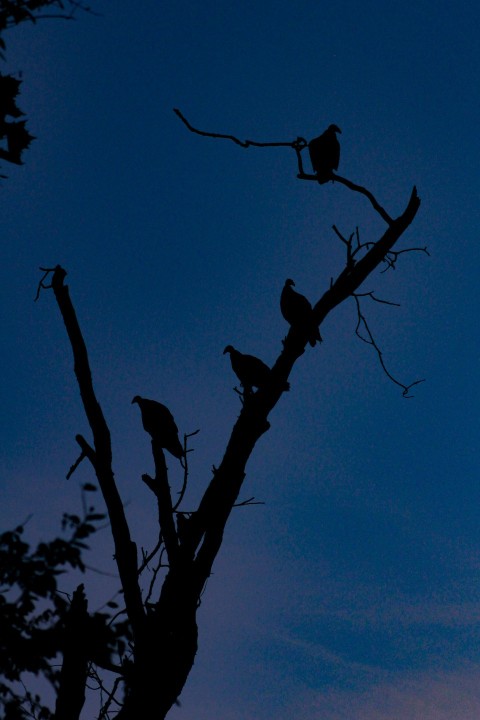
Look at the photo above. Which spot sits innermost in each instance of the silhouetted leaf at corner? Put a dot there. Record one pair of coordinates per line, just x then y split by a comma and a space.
13, 13
95, 516
84, 530
88, 487
18, 140
81, 545
70, 521
9, 89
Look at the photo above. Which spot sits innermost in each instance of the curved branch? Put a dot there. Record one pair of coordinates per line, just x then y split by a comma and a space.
370, 340
243, 143
356, 188
298, 145
360, 189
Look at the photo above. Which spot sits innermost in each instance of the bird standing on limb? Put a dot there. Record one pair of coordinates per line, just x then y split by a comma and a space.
158, 422
250, 370
298, 312
325, 153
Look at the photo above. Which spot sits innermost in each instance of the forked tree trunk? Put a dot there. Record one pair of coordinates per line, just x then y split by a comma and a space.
165, 632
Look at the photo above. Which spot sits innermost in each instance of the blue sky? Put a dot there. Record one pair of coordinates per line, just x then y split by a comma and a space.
354, 591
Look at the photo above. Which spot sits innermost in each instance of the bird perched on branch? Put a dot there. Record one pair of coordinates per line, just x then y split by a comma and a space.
298, 312
325, 153
250, 370
158, 422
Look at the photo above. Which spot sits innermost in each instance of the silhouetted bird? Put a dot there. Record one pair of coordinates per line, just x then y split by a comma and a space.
325, 153
250, 370
158, 422
298, 312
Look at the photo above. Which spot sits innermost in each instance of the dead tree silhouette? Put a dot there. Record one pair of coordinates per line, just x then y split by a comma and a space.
164, 626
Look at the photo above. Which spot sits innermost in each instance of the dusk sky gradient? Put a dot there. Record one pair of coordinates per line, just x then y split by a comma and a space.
353, 593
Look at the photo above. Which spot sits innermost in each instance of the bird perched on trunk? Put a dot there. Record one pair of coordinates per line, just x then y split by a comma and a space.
158, 422
298, 312
325, 153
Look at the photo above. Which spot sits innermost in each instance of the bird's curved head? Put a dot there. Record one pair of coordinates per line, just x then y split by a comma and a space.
289, 282
136, 399
229, 349
334, 128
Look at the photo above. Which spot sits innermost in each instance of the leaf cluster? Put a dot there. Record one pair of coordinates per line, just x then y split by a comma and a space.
14, 12
34, 613
14, 137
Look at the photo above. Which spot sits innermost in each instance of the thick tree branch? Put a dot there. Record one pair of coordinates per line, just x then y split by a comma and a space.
160, 487
206, 526
101, 455
73, 676
356, 188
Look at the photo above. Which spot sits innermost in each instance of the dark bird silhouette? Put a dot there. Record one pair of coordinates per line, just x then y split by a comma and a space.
158, 422
298, 312
325, 153
250, 370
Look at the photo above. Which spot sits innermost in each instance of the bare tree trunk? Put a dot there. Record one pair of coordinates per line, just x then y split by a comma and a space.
165, 655
73, 676
165, 632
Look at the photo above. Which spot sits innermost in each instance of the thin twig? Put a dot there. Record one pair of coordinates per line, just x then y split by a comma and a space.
148, 558
156, 570
392, 256
356, 188
185, 469
110, 696
243, 143
41, 284
77, 462
250, 501
372, 296
370, 340
348, 243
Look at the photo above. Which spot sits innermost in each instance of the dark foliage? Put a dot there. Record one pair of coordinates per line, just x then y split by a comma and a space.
34, 614
14, 12
14, 136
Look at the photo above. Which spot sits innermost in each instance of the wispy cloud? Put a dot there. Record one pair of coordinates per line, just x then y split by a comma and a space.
431, 695
408, 613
